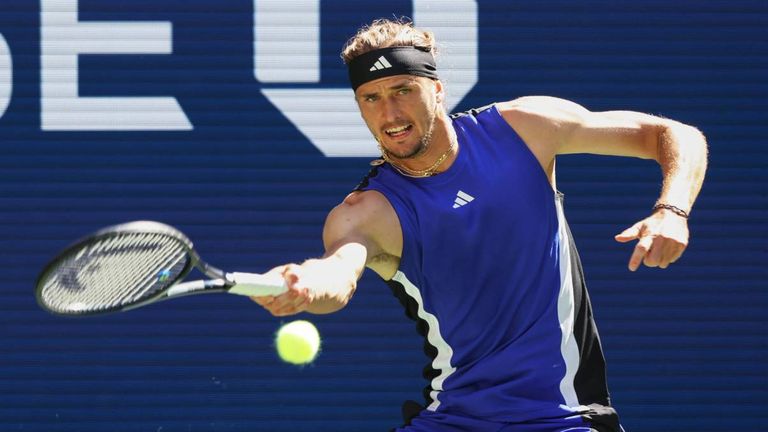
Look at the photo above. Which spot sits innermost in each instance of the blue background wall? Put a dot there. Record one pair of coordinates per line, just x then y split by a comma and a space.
686, 347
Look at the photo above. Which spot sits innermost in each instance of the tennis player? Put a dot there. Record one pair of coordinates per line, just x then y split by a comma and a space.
462, 218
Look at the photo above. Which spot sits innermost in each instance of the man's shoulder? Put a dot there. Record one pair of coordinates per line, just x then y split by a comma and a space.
537, 106
364, 200
474, 112
363, 207
521, 103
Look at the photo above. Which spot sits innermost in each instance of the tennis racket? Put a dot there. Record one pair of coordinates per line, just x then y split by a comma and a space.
126, 266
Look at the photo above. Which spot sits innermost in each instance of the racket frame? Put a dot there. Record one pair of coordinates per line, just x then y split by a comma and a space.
219, 282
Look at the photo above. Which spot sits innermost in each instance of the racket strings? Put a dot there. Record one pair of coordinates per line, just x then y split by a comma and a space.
169, 261
119, 275
132, 285
106, 255
115, 271
106, 274
129, 271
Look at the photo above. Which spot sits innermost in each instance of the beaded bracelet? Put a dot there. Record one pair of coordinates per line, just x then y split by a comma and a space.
676, 210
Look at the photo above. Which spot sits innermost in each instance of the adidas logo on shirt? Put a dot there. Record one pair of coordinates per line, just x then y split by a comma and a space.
462, 199
380, 64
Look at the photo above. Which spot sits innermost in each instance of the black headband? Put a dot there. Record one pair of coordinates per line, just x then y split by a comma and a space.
384, 62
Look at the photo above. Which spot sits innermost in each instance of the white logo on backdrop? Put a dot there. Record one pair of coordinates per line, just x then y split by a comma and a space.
63, 38
6, 75
287, 51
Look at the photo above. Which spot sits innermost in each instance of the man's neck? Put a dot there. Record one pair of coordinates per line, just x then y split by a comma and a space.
443, 148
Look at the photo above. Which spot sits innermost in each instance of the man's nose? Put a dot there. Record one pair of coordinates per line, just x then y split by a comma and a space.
390, 109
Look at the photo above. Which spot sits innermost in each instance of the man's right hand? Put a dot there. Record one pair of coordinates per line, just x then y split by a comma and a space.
296, 299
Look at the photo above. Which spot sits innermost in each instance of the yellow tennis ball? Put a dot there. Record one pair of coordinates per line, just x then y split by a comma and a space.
297, 342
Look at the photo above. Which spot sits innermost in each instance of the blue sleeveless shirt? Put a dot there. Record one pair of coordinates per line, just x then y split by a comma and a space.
490, 273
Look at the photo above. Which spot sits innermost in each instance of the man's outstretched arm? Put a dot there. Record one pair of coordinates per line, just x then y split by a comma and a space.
358, 232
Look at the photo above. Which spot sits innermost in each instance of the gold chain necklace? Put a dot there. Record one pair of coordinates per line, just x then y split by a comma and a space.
428, 172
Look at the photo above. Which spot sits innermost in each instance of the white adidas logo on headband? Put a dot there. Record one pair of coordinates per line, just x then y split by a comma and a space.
380, 64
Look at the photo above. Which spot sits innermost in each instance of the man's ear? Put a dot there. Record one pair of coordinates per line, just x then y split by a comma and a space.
439, 91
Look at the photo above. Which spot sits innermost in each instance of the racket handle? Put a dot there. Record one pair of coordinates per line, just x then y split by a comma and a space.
254, 284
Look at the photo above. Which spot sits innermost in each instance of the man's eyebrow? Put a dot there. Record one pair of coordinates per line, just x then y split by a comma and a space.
402, 84
406, 83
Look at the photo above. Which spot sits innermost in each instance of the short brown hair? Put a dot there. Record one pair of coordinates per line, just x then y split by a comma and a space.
384, 33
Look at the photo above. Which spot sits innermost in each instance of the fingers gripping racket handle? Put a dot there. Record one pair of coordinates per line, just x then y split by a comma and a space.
253, 284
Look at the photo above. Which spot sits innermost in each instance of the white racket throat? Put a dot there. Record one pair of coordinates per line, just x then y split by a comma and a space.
254, 284
194, 286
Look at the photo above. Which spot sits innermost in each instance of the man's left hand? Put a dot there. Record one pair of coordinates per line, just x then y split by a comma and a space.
662, 238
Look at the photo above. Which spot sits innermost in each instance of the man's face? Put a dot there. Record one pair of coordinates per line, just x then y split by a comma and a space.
400, 111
